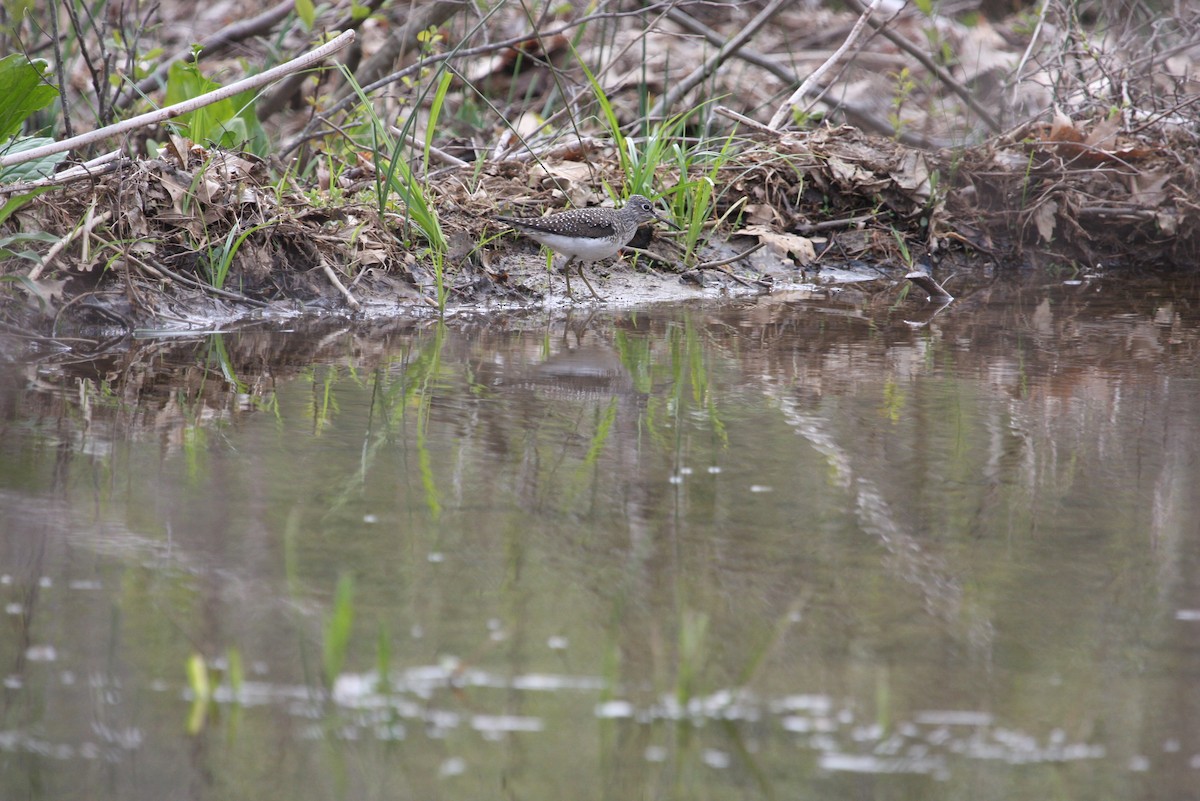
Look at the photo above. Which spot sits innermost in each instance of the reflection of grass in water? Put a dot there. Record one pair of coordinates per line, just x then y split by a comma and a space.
693, 645
219, 354
203, 678
322, 404
634, 353
683, 680
390, 400
337, 630
603, 429
688, 369
424, 398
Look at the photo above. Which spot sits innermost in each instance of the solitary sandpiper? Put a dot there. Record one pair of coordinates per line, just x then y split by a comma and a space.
587, 235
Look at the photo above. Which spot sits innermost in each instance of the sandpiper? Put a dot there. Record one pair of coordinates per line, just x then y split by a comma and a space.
588, 235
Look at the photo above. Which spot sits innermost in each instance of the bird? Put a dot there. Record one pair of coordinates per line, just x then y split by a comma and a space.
587, 235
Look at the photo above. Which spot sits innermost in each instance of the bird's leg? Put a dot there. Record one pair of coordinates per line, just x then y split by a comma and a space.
565, 270
588, 283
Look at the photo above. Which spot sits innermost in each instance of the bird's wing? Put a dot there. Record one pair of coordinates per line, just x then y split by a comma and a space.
583, 226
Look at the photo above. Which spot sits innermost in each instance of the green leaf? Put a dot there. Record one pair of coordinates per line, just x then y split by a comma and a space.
227, 123
435, 110
307, 13
255, 139
29, 170
23, 90
14, 204
207, 124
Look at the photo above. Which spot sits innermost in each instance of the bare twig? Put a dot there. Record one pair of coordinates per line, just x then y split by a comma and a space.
1016, 74
437, 153
170, 112
279, 97
89, 169
712, 265
60, 245
224, 293
701, 73
209, 47
826, 225
58, 69
819, 72
940, 73
458, 53
725, 111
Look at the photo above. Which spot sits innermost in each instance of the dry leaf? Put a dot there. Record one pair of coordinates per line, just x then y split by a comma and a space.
1149, 188
1044, 219
786, 246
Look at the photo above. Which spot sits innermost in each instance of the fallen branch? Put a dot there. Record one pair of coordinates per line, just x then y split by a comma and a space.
170, 112
337, 283
224, 293
712, 265
937, 293
98, 166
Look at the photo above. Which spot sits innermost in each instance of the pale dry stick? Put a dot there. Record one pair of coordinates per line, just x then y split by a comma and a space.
89, 169
337, 283
600, 73
937, 292
271, 103
1028, 51
559, 150
701, 73
819, 72
84, 229
858, 115
170, 112
712, 265
725, 111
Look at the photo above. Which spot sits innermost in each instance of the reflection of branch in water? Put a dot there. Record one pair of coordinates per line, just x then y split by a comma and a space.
942, 591
929, 315
937, 292
937, 296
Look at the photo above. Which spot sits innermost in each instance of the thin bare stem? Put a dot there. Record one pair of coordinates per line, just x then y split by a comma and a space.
819, 72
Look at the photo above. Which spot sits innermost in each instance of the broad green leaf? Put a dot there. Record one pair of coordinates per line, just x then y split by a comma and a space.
185, 82
228, 123
23, 90
29, 170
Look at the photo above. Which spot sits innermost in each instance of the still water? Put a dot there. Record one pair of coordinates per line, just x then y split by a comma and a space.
802, 546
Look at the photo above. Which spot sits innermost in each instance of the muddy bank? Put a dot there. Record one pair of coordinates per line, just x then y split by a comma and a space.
805, 215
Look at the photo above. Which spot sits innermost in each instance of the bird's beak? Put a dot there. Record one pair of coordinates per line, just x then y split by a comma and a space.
667, 220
